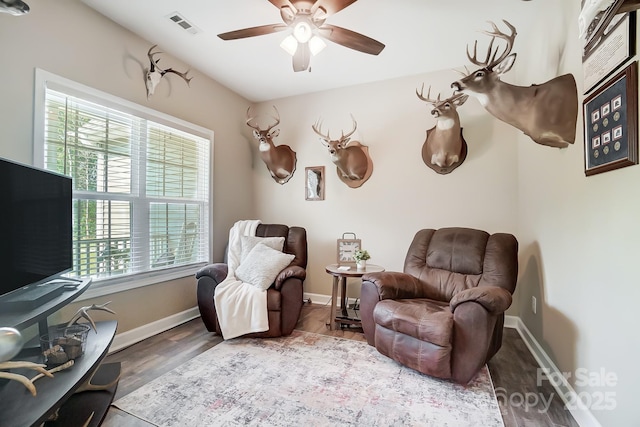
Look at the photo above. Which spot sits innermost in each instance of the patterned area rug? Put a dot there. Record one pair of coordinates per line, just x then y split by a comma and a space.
307, 379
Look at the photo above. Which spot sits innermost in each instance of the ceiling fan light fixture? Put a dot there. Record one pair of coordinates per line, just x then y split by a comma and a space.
289, 45
316, 45
306, 31
302, 31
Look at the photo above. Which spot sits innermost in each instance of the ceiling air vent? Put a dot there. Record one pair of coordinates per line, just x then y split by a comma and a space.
183, 23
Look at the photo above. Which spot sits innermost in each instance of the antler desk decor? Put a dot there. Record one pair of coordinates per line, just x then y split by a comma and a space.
83, 313
10, 345
21, 378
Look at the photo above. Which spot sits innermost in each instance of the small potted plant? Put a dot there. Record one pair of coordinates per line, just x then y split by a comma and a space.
361, 256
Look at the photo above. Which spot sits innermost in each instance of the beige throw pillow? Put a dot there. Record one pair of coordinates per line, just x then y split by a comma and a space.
262, 265
249, 242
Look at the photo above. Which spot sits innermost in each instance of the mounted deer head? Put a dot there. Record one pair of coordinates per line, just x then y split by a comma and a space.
154, 74
547, 113
280, 160
354, 166
14, 7
444, 149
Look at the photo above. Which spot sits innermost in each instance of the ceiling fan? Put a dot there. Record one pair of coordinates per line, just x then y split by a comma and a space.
306, 20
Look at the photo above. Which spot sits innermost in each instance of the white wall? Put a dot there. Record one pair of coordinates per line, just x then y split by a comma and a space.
67, 38
403, 195
579, 248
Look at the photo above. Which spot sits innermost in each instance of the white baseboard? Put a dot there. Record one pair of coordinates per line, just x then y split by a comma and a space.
323, 299
138, 334
511, 322
583, 416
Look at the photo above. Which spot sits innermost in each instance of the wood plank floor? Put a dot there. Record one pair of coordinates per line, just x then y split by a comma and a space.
513, 370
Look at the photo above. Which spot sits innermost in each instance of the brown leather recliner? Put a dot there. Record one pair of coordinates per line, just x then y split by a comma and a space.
443, 316
284, 296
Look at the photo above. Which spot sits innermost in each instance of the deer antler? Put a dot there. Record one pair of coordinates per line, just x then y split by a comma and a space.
52, 371
276, 118
153, 62
355, 125
490, 60
89, 386
457, 96
82, 313
317, 128
428, 98
183, 75
21, 378
256, 127
249, 119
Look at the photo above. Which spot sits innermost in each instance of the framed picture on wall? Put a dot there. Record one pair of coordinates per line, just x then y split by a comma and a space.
595, 20
314, 183
614, 47
611, 123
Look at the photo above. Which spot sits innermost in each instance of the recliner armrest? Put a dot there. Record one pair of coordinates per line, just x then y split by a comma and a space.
494, 299
218, 272
290, 271
396, 285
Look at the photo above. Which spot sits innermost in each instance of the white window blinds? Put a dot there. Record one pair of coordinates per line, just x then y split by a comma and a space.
141, 188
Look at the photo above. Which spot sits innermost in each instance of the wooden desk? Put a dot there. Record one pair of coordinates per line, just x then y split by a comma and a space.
345, 315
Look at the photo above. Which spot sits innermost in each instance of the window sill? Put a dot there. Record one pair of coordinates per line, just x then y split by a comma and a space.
111, 286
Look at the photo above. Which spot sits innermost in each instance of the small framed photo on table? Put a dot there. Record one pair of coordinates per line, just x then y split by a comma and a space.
611, 123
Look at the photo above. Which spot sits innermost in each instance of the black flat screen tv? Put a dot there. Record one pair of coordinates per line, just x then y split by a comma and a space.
35, 226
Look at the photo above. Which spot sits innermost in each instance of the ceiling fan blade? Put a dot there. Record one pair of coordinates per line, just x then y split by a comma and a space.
288, 15
302, 57
332, 6
253, 31
280, 3
351, 39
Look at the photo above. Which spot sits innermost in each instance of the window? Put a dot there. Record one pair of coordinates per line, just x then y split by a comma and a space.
140, 181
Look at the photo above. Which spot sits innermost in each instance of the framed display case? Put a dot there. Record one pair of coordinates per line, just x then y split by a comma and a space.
611, 123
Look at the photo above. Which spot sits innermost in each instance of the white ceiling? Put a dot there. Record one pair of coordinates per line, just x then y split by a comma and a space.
420, 36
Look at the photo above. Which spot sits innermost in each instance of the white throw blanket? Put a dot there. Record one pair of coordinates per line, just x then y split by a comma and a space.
241, 307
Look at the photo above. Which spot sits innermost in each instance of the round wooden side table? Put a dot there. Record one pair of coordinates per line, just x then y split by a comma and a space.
345, 315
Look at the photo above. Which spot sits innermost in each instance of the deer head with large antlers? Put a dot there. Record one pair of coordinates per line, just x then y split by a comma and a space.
353, 164
154, 73
547, 113
444, 149
280, 160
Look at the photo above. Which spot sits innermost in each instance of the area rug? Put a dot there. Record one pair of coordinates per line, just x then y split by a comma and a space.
307, 379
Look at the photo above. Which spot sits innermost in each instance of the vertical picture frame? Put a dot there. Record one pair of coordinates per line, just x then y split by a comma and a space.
611, 123
314, 183
614, 48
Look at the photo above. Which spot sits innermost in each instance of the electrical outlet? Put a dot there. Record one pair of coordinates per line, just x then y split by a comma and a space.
534, 307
